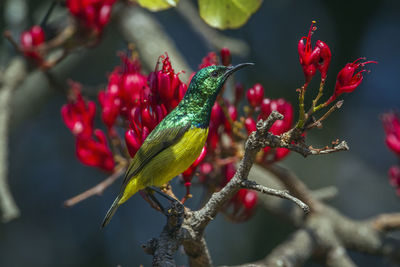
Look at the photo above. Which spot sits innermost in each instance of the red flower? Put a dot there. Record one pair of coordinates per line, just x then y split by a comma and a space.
166, 86
138, 132
217, 119
255, 95
133, 142
225, 56
315, 59
77, 114
95, 152
348, 79
248, 198
30, 40
391, 124
279, 127
127, 88
233, 114
210, 60
94, 14
250, 125
187, 175
205, 169
110, 103
283, 107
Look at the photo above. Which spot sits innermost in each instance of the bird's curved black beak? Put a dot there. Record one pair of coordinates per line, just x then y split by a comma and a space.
232, 69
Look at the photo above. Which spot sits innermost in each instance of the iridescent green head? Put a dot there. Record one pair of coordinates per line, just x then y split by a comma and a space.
207, 82
202, 92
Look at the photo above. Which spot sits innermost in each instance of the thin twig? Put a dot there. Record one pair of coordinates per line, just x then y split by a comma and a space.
275, 192
293, 184
97, 189
387, 222
332, 109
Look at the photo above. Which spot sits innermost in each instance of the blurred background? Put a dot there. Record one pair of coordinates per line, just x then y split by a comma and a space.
44, 171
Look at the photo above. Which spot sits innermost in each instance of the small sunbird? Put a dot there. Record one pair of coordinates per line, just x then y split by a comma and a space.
178, 139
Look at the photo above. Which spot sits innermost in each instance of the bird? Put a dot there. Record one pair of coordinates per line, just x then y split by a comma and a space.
178, 139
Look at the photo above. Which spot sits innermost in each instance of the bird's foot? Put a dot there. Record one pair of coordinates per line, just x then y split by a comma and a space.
175, 216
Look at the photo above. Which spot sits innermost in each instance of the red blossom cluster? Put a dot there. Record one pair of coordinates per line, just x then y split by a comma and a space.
265, 107
127, 89
318, 58
139, 101
391, 125
315, 59
78, 115
92, 14
30, 41
150, 102
92, 17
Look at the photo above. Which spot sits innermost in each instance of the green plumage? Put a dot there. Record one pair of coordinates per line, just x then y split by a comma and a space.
175, 140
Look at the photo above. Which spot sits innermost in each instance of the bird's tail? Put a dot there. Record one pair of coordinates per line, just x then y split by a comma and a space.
111, 211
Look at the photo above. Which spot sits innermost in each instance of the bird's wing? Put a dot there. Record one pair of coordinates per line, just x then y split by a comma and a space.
152, 146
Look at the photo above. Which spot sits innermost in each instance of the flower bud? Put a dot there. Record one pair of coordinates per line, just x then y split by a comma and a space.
348, 79
324, 60
255, 95
133, 142
217, 115
225, 56
95, 152
250, 125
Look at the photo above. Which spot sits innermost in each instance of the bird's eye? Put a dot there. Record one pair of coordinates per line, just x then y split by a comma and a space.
214, 74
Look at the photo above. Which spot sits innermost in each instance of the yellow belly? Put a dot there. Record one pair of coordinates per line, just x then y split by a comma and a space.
169, 163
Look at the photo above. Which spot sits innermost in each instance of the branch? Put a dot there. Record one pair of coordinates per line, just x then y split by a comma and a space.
192, 230
164, 248
318, 123
97, 189
293, 184
386, 222
306, 151
213, 38
326, 233
274, 192
140, 27
253, 144
11, 79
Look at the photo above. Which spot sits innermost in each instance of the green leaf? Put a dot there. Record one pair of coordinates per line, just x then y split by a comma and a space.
227, 14
157, 5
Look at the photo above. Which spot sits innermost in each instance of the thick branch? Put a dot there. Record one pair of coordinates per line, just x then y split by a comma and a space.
332, 234
386, 222
166, 245
11, 79
140, 27
212, 37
